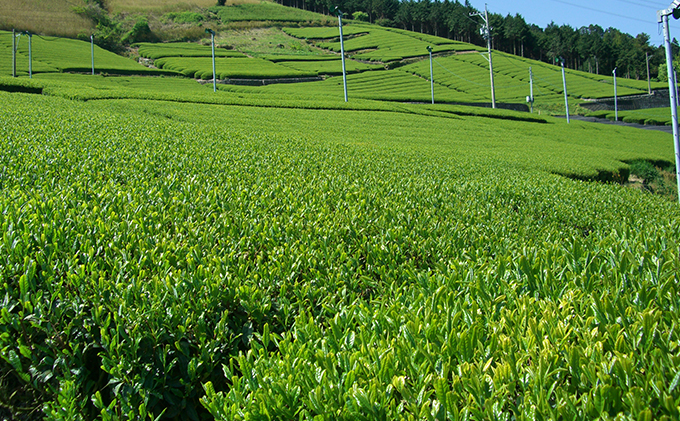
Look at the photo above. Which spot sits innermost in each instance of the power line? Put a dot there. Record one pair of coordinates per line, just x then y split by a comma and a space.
601, 11
648, 5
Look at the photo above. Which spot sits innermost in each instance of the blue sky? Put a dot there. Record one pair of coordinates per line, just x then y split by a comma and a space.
631, 16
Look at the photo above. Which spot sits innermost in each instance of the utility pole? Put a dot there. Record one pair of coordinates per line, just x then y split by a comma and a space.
649, 83
662, 17
677, 99
486, 33
429, 50
14, 53
30, 55
530, 98
616, 101
564, 83
212, 38
92, 52
342, 51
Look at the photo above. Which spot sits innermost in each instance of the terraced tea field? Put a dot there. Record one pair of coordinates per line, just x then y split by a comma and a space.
470, 73
51, 54
230, 68
467, 73
274, 252
459, 78
384, 85
380, 44
650, 116
182, 49
384, 262
190, 60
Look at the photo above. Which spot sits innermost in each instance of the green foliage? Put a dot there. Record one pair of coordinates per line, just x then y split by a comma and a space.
182, 49
183, 17
30, 86
459, 78
108, 29
329, 33
330, 67
385, 22
389, 85
293, 256
82, 85
156, 254
464, 74
654, 122
663, 70
100, 3
634, 119
266, 11
276, 58
649, 116
68, 406
657, 177
589, 48
380, 44
548, 78
140, 32
52, 55
360, 16
644, 170
469, 73
229, 68
22, 55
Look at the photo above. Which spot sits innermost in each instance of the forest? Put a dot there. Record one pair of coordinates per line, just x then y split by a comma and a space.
590, 48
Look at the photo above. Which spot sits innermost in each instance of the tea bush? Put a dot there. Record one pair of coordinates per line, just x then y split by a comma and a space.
193, 261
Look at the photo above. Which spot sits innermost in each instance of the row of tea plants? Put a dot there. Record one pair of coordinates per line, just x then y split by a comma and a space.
182, 261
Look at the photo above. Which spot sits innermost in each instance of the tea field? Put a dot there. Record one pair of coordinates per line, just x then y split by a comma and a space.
192, 60
52, 54
384, 64
276, 253
650, 116
230, 68
458, 67
196, 255
375, 43
383, 85
182, 49
330, 67
470, 73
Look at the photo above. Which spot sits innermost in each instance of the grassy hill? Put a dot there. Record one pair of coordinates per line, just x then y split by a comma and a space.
164, 6
459, 77
319, 240
384, 64
275, 252
173, 20
53, 17
56, 55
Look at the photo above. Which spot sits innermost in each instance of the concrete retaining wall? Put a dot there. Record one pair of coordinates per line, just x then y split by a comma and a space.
657, 99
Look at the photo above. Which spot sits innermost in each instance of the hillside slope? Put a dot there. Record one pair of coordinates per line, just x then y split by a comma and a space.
254, 259
274, 252
50, 17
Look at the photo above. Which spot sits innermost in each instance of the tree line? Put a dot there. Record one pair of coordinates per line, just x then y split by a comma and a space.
590, 48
